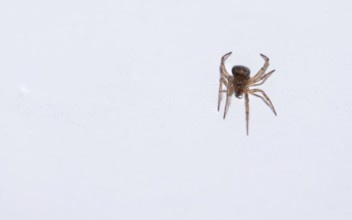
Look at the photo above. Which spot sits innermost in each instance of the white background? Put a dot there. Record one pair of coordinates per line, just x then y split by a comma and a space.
108, 110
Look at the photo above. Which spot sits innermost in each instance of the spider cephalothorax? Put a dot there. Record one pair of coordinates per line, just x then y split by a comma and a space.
240, 82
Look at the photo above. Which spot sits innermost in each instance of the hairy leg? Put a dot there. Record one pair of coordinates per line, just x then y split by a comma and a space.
228, 95
222, 81
266, 99
262, 70
223, 70
247, 111
262, 79
225, 77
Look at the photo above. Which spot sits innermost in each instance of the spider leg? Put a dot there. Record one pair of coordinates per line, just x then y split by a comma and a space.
223, 70
228, 95
262, 79
221, 81
225, 77
262, 70
247, 110
266, 99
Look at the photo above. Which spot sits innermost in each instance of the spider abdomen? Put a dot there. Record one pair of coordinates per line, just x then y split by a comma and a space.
241, 71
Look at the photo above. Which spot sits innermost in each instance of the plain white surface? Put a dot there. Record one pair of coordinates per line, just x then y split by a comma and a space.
108, 110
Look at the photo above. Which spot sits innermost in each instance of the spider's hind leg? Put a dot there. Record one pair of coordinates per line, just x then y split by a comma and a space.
262, 79
222, 81
228, 95
262, 70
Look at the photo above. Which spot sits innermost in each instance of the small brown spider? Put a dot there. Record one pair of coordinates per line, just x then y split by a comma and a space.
241, 82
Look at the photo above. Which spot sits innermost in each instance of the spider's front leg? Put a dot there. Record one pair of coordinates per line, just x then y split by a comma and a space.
229, 92
247, 111
266, 98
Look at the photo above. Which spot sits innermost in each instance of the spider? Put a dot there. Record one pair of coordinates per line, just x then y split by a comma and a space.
240, 82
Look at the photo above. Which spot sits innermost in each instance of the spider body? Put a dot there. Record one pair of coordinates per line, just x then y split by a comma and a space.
241, 75
240, 84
